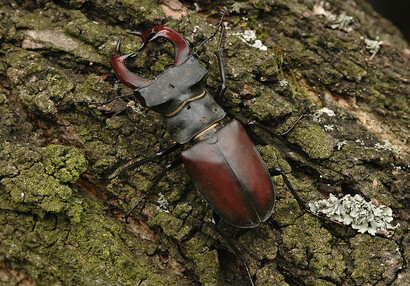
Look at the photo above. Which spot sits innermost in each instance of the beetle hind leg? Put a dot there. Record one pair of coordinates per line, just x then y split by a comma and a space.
302, 204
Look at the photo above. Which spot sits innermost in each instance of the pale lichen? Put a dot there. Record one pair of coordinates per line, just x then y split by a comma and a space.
249, 37
355, 211
320, 112
373, 46
335, 21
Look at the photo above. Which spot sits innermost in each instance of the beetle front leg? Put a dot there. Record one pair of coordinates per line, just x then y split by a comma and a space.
219, 54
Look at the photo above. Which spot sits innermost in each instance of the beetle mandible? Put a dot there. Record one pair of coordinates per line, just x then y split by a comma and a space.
222, 161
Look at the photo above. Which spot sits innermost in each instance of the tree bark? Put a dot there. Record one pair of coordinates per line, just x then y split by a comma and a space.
338, 62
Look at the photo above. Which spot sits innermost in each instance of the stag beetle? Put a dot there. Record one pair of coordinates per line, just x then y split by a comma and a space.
221, 159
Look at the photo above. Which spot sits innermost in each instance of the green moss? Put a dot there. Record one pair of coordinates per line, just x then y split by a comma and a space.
329, 76
42, 187
308, 245
205, 263
102, 154
350, 70
65, 163
273, 158
55, 252
40, 86
162, 63
169, 223
205, 260
93, 88
286, 212
270, 275
313, 140
296, 53
374, 259
88, 31
260, 242
269, 105
182, 210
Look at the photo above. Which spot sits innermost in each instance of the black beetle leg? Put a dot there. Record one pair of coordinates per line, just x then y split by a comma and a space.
222, 13
231, 245
219, 54
267, 129
277, 172
159, 154
155, 182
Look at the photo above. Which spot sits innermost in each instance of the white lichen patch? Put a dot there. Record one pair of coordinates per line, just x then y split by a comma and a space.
329, 128
388, 146
341, 144
373, 46
283, 82
320, 112
336, 22
355, 211
196, 28
249, 37
162, 204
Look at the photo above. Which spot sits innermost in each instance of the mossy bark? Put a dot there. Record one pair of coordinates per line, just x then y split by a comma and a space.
60, 218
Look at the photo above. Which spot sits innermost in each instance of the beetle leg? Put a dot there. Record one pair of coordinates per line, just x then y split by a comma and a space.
181, 47
302, 205
219, 54
222, 13
232, 246
265, 128
123, 73
155, 182
158, 155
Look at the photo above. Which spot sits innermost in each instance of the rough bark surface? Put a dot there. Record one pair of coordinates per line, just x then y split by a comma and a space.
60, 218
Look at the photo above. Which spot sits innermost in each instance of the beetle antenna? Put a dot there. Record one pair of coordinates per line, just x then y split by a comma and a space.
220, 24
